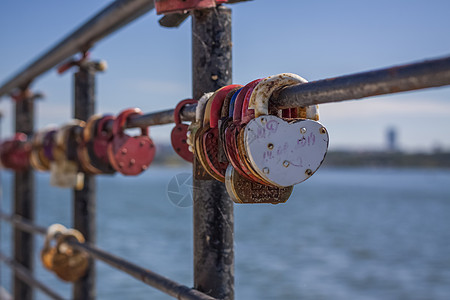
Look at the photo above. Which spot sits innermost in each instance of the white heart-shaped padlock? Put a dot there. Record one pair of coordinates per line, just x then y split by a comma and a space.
285, 153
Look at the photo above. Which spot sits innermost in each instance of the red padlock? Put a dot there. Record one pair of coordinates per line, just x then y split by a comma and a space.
102, 138
15, 152
232, 132
178, 135
211, 136
130, 155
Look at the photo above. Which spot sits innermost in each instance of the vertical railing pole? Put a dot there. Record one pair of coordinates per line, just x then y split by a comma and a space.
213, 209
24, 200
84, 201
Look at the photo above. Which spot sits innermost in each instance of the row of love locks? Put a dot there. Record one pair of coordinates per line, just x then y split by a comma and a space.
259, 154
68, 155
236, 138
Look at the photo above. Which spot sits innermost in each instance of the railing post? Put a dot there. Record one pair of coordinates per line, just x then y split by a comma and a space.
84, 201
24, 200
213, 209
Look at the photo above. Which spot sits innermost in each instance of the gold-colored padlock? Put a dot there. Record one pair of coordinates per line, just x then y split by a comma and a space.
48, 251
68, 263
38, 160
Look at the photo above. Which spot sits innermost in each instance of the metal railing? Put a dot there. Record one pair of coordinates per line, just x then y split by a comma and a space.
213, 270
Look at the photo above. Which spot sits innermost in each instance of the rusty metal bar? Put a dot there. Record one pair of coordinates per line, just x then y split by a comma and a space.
26, 276
24, 203
403, 78
213, 209
148, 277
84, 201
155, 280
110, 19
23, 224
414, 76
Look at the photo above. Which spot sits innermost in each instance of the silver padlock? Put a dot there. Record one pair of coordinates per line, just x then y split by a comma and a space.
283, 152
63, 171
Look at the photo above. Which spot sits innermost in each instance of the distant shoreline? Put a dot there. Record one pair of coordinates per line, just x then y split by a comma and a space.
165, 155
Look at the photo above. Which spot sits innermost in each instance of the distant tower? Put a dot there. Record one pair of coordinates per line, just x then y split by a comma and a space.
391, 139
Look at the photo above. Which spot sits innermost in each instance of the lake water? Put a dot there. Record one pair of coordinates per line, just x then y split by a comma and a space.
343, 234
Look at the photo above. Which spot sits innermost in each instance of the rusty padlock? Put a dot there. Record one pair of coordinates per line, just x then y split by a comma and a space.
231, 135
178, 135
210, 138
228, 122
48, 251
68, 263
199, 172
38, 159
85, 147
130, 155
250, 188
283, 152
224, 122
200, 153
243, 190
92, 151
48, 143
15, 152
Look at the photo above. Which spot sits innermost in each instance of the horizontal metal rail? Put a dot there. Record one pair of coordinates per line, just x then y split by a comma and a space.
25, 275
148, 277
23, 224
155, 280
110, 19
414, 76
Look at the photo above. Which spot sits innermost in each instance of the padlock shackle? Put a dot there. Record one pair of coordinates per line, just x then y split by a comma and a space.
101, 125
179, 107
121, 120
89, 130
201, 106
247, 114
259, 99
217, 102
207, 111
232, 102
238, 104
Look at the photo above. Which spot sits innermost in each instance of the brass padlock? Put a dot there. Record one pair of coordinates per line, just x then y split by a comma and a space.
48, 251
68, 263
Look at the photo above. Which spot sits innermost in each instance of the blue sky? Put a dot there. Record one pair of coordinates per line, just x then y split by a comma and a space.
150, 66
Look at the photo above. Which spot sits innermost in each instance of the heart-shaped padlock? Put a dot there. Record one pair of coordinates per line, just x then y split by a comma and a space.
92, 152
85, 145
130, 155
211, 135
68, 263
233, 141
15, 152
48, 251
224, 121
227, 124
38, 159
178, 135
283, 153
231, 131
243, 190
199, 172
198, 141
